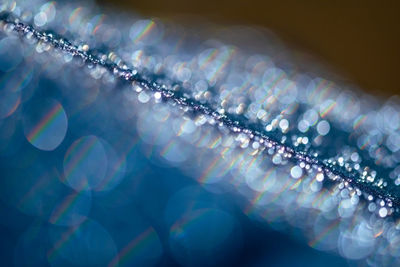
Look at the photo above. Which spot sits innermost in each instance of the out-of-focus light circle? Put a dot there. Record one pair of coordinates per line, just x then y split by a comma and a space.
9, 102
189, 214
11, 53
323, 127
45, 124
72, 209
40, 19
174, 152
88, 244
137, 241
145, 32
11, 140
12, 85
145, 248
85, 163
326, 233
296, 172
215, 169
153, 132
34, 193
116, 167
356, 244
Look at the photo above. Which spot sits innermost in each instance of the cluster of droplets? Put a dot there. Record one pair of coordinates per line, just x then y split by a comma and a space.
266, 132
245, 135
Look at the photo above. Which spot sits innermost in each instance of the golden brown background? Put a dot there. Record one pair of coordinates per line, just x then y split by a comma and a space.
361, 39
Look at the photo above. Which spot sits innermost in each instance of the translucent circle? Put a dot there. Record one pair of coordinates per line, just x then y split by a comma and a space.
85, 163
145, 32
189, 214
214, 61
320, 177
326, 233
175, 152
357, 244
11, 88
116, 167
88, 244
323, 127
345, 208
33, 192
45, 124
11, 53
40, 19
18, 79
188, 198
143, 97
49, 9
284, 124
296, 172
142, 250
152, 131
137, 241
214, 169
383, 212
286, 91
9, 102
262, 180
311, 117
72, 209
277, 159
11, 138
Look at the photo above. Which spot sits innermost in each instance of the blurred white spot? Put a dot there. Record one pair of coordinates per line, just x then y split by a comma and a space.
323, 127
383, 212
143, 97
296, 172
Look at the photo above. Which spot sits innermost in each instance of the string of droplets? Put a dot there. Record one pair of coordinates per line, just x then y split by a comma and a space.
163, 92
